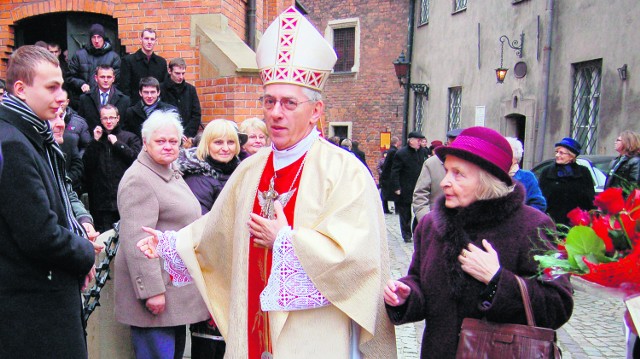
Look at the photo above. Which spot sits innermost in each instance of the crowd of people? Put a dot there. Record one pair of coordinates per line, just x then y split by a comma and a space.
264, 237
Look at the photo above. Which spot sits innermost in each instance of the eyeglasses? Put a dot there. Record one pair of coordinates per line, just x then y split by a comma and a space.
110, 118
618, 139
256, 137
562, 153
289, 104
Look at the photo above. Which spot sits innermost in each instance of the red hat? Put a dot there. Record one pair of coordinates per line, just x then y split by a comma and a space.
436, 143
484, 147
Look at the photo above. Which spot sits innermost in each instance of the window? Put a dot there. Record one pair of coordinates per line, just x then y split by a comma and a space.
459, 5
586, 104
455, 101
345, 36
340, 129
418, 110
424, 12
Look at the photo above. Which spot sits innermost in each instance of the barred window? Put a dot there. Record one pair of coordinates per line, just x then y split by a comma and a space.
455, 102
459, 5
344, 44
424, 12
419, 110
586, 104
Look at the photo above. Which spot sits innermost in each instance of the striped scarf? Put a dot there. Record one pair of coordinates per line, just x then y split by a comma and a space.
54, 156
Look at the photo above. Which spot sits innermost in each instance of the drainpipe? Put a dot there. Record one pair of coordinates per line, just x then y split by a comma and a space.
546, 74
405, 119
251, 24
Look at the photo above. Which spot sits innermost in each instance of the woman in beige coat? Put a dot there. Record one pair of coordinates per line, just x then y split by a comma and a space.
152, 193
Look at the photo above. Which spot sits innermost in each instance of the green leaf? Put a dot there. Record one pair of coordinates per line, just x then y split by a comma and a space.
619, 239
583, 241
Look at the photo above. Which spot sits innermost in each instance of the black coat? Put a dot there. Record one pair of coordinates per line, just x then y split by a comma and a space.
443, 295
76, 139
185, 99
135, 67
624, 167
385, 177
135, 116
42, 263
83, 65
104, 166
405, 171
89, 106
566, 193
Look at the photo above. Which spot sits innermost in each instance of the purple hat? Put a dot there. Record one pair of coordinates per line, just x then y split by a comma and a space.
570, 144
484, 147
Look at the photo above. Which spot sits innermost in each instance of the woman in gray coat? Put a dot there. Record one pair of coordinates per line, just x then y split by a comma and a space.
153, 194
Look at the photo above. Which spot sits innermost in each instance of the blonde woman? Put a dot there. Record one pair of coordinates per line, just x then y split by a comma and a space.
626, 167
257, 137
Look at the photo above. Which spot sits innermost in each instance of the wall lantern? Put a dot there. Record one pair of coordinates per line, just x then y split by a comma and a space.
501, 72
401, 65
622, 72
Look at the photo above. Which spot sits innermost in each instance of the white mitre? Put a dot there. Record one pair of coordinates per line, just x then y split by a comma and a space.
292, 51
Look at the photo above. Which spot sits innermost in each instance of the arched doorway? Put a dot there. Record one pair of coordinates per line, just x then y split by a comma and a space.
68, 29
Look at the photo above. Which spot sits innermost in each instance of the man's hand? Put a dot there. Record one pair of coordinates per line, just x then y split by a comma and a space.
89, 277
156, 304
85, 88
97, 133
396, 293
263, 230
397, 192
112, 139
148, 245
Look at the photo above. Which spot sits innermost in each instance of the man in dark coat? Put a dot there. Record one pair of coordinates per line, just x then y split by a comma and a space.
385, 178
83, 64
177, 92
140, 64
43, 257
106, 159
103, 94
140, 111
404, 175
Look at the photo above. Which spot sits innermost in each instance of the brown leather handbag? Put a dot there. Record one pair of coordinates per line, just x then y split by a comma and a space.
481, 339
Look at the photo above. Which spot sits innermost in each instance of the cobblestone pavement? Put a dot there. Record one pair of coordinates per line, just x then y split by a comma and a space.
595, 329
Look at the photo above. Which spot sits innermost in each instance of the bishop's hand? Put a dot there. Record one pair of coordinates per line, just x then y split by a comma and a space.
264, 230
149, 244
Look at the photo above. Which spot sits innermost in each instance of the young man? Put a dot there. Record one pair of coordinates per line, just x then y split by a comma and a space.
142, 63
149, 91
103, 94
177, 92
313, 212
44, 256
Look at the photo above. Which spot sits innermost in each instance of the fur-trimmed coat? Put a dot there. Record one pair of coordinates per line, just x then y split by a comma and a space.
443, 295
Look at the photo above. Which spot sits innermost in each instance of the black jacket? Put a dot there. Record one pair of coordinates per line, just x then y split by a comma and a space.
104, 166
566, 193
42, 262
385, 177
83, 65
76, 140
407, 165
135, 67
185, 98
624, 167
89, 106
135, 116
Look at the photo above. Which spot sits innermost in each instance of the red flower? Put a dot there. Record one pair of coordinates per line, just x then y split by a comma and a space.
610, 201
578, 217
601, 226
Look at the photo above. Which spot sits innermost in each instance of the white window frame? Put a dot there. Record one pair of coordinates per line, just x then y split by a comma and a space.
353, 22
334, 124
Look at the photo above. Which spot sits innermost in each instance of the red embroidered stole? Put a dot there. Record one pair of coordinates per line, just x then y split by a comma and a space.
260, 258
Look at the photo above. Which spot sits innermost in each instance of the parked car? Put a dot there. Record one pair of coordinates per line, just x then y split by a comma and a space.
599, 166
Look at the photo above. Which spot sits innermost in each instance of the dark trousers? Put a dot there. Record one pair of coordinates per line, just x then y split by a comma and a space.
206, 341
385, 203
161, 342
104, 220
404, 212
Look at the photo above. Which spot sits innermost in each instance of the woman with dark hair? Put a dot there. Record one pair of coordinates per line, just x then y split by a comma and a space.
469, 249
626, 167
566, 184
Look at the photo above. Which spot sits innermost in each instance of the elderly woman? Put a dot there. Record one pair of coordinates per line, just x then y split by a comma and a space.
153, 194
533, 197
468, 250
565, 184
257, 137
208, 167
625, 167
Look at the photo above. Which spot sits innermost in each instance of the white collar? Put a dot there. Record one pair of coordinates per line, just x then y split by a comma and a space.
283, 158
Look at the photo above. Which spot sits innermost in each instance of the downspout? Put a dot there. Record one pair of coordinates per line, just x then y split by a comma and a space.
405, 119
546, 75
251, 24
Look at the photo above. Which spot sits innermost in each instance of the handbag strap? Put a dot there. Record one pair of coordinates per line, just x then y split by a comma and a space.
527, 302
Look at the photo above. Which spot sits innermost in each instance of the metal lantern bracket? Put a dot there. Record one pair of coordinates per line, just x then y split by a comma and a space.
501, 71
402, 68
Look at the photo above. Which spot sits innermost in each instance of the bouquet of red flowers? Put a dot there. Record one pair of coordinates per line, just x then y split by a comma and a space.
603, 245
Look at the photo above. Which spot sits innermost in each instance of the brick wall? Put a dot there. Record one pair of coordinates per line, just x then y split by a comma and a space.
371, 98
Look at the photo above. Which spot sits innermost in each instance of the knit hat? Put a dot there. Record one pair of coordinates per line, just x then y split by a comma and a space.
484, 147
570, 144
415, 134
96, 29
